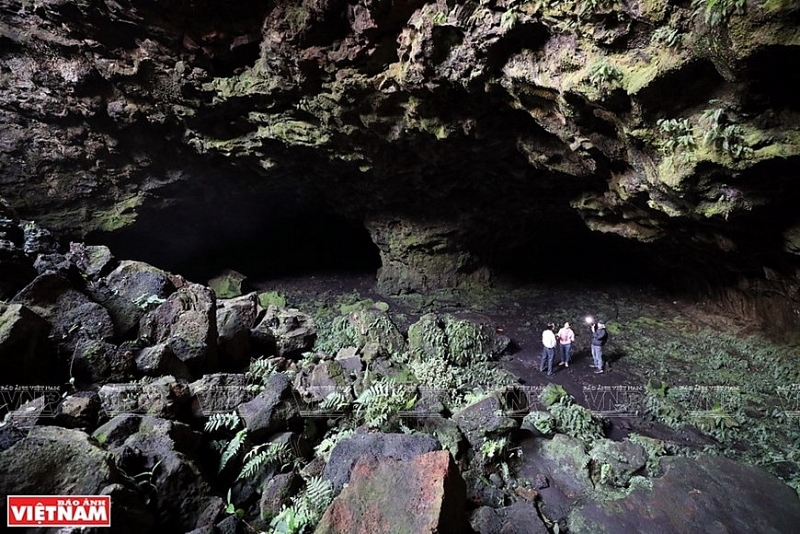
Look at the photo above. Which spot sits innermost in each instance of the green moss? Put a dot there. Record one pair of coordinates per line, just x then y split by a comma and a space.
271, 298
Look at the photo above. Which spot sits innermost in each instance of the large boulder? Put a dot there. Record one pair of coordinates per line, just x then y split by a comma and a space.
24, 348
52, 460
72, 314
272, 410
95, 361
398, 446
235, 318
92, 261
421, 494
159, 360
164, 397
187, 322
134, 288
710, 493
285, 332
484, 419
219, 393
164, 449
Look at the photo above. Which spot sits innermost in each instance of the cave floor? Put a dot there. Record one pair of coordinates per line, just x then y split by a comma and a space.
678, 370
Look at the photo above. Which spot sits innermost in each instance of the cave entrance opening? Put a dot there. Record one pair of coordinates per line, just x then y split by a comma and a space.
263, 237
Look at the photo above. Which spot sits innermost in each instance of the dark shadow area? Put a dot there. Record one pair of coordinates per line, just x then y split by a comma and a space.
566, 250
263, 235
771, 85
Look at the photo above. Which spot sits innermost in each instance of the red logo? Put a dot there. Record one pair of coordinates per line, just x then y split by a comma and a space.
59, 510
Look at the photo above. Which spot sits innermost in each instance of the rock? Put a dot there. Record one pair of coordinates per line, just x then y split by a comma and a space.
484, 419
615, 462
187, 322
375, 331
38, 240
91, 261
135, 287
272, 410
277, 493
486, 520
228, 284
57, 264
458, 338
398, 446
163, 396
219, 393
563, 463
40, 409
521, 518
96, 362
715, 492
25, 355
348, 358
129, 514
444, 430
52, 460
421, 494
145, 444
159, 360
72, 315
285, 332
10, 434
420, 255
16, 269
79, 410
235, 318
327, 377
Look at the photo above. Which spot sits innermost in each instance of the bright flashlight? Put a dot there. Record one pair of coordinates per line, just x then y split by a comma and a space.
589, 319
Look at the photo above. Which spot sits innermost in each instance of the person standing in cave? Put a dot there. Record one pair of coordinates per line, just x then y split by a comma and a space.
565, 338
549, 348
599, 339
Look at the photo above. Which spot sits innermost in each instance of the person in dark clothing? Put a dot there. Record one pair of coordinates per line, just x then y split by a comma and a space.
599, 339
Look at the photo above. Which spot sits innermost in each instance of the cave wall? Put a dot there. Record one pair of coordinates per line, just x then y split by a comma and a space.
460, 134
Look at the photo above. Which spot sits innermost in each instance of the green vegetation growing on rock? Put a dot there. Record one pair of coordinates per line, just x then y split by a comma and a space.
569, 417
676, 135
717, 12
603, 74
306, 509
722, 136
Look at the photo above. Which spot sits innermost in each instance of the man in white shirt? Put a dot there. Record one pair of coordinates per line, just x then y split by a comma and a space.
565, 338
549, 343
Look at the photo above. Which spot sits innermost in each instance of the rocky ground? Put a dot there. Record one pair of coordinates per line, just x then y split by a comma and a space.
315, 404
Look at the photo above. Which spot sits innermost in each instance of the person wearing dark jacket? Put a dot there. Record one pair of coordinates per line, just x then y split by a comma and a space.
599, 339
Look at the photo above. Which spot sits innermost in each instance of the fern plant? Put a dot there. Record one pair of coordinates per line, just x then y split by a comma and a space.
306, 509
670, 37
223, 421
258, 373
722, 135
717, 12
278, 454
602, 74
232, 449
382, 401
509, 19
676, 134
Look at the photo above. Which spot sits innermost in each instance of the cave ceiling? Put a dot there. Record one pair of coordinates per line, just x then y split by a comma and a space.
453, 128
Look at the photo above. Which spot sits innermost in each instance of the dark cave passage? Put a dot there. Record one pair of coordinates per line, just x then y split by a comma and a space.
253, 238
